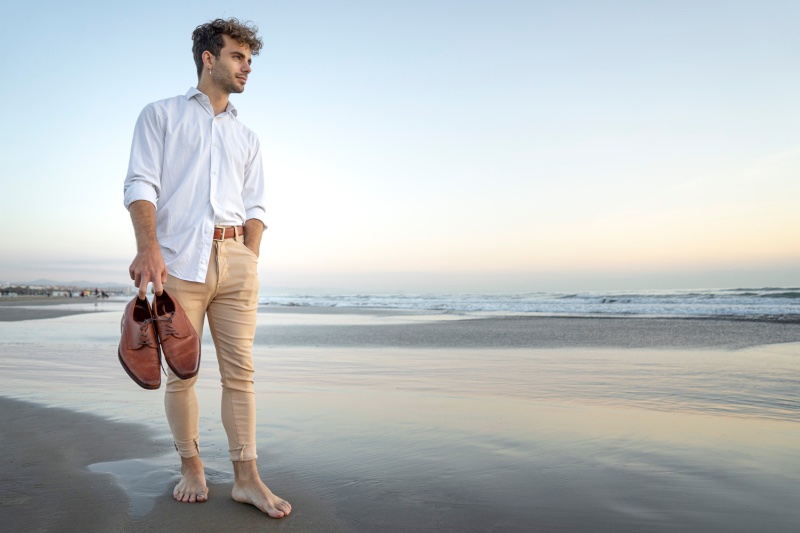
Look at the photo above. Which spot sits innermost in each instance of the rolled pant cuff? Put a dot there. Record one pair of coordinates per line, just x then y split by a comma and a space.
187, 449
245, 453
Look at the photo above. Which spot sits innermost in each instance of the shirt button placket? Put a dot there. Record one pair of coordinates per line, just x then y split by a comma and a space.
212, 163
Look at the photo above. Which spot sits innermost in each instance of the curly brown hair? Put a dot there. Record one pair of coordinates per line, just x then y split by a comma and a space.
208, 36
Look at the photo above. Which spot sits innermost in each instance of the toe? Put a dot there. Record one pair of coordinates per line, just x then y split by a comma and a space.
283, 505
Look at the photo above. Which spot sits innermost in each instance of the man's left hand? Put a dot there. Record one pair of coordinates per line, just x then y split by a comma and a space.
253, 229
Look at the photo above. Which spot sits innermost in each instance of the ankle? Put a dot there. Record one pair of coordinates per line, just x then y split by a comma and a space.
245, 471
191, 463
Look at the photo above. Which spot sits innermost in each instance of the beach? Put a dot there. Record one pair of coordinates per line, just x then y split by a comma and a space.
414, 420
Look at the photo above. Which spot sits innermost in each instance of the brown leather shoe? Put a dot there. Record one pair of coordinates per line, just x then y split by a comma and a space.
179, 340
138, 347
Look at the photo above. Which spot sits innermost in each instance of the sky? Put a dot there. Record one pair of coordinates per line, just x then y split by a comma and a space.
432, 146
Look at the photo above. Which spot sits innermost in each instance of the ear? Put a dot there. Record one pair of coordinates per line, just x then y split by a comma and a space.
208, 60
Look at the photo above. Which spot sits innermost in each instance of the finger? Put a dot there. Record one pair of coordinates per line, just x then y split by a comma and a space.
143, 282
158, 287
131, 272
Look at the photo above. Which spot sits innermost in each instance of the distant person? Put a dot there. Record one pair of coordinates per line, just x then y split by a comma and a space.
195, 191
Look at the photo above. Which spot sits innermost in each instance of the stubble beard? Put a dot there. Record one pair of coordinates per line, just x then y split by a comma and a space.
233, 87
222, 78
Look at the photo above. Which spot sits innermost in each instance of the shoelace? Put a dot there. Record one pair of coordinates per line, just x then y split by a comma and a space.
168, 328
145, 339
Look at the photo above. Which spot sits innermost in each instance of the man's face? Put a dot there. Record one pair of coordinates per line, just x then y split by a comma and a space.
231, 69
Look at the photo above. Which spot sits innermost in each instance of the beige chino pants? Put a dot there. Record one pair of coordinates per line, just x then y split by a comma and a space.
229, 297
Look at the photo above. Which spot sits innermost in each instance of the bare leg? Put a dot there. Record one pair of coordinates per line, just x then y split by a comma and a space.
192, 486
248, 488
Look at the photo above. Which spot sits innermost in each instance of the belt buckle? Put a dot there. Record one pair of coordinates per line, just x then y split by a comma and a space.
221, 233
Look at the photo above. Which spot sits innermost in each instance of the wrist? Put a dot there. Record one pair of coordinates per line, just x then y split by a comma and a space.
148, 248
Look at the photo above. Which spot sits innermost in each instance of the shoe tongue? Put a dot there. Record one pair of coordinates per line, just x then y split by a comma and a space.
134, 340
177, 327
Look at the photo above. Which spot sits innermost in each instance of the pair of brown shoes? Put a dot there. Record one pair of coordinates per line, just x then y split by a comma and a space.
147, 331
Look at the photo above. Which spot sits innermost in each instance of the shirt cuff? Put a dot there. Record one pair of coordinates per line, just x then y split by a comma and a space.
257, 213
140, 191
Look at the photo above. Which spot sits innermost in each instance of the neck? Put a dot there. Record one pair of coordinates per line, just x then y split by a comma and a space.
217, 97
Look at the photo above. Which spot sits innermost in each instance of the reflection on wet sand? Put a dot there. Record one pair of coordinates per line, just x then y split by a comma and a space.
454, 439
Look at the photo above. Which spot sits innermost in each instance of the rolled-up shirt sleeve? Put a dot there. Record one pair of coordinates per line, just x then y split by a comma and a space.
143, 181
254, 190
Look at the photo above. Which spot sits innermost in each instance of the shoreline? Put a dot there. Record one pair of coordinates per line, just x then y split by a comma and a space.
411, 328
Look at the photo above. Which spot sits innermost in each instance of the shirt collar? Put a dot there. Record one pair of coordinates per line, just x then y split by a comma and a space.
194, 93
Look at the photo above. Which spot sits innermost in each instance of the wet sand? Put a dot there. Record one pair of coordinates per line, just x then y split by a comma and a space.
56, 477
399, 328
40, 307
397, 421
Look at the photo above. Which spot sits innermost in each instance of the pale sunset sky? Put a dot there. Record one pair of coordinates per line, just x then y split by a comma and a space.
419, 146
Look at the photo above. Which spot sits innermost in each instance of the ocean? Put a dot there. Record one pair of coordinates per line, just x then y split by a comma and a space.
770, 303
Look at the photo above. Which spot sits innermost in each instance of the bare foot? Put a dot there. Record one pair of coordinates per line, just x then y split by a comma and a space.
192, 486
248, 488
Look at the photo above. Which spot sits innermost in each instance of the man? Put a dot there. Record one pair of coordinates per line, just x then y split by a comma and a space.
195, 193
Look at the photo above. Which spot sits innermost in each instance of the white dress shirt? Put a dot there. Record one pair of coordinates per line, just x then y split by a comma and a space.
199, 170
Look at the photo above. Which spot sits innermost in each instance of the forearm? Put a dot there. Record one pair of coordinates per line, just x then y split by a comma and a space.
148, 265
253, 230
143, 216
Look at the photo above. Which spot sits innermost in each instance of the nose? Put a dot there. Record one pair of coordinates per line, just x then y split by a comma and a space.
247, 68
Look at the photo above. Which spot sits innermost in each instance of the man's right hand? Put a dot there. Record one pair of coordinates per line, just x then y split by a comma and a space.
148, 267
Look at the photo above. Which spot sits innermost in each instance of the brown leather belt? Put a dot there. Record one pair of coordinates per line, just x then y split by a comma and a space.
227, 233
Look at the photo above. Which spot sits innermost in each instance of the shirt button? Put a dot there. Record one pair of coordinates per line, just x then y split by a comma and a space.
202, 261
